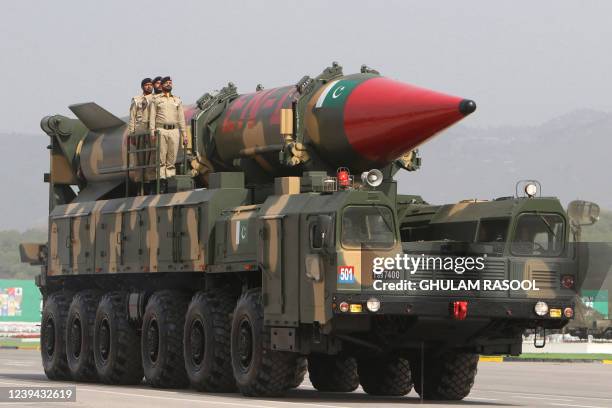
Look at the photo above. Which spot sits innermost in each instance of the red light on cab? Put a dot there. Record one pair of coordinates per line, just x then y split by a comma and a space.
344, 177
567, 281
459, 309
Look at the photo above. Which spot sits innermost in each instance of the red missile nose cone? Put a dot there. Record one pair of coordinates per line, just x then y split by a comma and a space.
384, 118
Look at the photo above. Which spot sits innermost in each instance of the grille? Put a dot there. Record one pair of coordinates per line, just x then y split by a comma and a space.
545, 279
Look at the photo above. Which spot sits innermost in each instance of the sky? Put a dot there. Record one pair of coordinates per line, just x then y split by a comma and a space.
523, 62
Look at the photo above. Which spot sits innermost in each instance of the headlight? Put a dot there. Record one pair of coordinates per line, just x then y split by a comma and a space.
373, 305
541, 308
531, 189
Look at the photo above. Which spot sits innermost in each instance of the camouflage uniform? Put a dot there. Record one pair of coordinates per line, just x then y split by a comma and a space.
138, 130
168, 118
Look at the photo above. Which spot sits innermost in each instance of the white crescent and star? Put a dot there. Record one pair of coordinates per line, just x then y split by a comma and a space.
337, 92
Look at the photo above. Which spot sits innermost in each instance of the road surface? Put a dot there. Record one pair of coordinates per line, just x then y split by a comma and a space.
552, 385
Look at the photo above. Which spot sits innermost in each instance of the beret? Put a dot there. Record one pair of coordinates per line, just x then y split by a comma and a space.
166, 78
146, 81
157, 78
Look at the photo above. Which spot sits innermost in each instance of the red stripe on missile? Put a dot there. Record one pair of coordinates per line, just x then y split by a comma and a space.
384, 118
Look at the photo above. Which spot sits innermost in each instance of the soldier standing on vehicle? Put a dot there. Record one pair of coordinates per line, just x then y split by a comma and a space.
167, 121
138, 127
157, 88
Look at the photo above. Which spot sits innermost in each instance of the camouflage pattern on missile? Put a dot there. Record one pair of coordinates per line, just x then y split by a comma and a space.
359, 121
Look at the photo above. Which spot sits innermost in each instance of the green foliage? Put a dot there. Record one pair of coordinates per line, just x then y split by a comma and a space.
10, 262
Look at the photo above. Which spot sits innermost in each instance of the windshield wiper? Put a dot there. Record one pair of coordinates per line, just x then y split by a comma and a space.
547, 225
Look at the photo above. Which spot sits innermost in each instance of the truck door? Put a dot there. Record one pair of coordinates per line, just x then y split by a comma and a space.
131, 252
165, 229
270, 260
108, 243
188, 223
82, 244
280, 261
60, 247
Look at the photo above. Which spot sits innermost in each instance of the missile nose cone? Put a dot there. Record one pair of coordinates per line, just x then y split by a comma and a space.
467, 106
384, 118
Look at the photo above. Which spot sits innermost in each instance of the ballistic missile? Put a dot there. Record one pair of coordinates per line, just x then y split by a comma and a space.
359, 122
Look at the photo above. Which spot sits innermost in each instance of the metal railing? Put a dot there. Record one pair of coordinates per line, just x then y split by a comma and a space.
141, 150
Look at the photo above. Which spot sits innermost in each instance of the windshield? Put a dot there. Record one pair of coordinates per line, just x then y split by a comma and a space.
539, 234
370, 226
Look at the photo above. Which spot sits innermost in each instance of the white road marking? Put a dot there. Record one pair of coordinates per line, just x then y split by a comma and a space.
544, 395
246, 403
480, 399
242, 404
544, 398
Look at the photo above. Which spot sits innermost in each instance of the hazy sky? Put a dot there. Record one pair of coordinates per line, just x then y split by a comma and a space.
523, 62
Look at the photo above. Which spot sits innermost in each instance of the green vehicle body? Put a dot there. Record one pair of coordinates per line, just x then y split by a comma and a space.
290, 239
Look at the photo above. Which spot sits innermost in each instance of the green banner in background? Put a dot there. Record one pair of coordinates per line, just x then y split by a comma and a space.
596, 300
20, 301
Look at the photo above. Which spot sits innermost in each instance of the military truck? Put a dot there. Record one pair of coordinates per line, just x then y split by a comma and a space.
257, 265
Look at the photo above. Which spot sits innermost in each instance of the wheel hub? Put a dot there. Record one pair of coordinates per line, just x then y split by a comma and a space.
153, 340
245, 344
76, 337
198, 343
49, 346
104, 339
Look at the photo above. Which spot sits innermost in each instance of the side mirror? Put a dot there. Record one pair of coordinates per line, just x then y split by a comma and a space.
323, 232
583, 212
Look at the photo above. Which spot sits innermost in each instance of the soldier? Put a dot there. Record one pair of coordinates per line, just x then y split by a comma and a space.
157, 88
138, 127
167, 121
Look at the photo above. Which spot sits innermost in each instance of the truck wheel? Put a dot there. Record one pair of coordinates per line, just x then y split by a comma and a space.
333, 373
52, 337
206, 344
389, 375
258, 370
447, 376
300, 372
79, 336
162, 340
116, 345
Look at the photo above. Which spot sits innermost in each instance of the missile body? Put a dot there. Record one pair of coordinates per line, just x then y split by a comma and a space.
358, 121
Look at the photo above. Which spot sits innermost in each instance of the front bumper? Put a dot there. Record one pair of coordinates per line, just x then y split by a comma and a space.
442, 307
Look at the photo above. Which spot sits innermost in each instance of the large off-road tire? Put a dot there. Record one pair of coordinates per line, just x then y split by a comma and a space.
258, 370
300, 372
116, 345
333, 373
162, 340
208, 326
385, 375
53, 336
446, 376
80, 336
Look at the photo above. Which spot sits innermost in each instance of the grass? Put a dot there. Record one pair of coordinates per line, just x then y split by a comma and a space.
18, 343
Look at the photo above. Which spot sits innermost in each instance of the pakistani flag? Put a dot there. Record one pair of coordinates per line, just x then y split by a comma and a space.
336, 93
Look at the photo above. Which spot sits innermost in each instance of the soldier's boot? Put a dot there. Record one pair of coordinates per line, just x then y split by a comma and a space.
163, 186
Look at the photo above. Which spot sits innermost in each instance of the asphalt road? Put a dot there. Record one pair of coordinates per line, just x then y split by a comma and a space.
554, 385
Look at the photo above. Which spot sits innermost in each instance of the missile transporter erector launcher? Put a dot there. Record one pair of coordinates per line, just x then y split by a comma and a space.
259, 263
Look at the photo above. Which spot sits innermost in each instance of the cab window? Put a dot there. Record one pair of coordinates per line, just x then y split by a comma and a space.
493, 230
539, 234
370, 226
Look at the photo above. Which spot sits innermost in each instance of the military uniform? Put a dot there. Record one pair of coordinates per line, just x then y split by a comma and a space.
138, 131
168, 118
